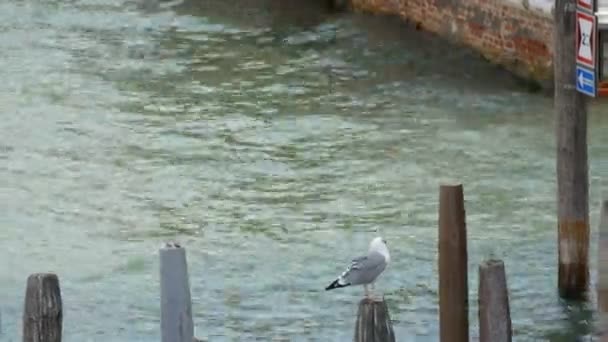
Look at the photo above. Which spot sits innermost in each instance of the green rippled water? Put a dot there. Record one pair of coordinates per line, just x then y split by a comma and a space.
270, 139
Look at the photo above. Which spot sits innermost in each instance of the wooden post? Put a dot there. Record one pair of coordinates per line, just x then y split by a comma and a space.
572, 169
494, 313
373, 322
453, 276
338, 5
602, 286
176, 305
43, 311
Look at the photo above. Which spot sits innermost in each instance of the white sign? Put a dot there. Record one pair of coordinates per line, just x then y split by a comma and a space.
586, 39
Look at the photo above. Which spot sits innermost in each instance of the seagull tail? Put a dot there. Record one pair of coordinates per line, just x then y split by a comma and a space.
335, 285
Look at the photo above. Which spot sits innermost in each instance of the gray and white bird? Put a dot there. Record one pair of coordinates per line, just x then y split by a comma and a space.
364, 270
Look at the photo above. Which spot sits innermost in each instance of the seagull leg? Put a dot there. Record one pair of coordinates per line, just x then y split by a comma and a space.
366, 291
373, 289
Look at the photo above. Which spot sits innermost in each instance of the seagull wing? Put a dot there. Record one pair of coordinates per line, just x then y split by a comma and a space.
364, 269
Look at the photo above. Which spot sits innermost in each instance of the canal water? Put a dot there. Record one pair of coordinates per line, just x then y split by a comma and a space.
271, 139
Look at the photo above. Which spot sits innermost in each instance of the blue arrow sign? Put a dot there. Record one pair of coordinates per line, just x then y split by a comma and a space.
585, 81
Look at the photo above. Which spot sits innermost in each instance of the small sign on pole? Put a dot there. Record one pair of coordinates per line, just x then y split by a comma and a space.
586, 48
586, 39
585, 81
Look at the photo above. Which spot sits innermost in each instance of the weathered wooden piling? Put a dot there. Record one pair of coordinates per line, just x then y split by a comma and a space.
572, 160
338, 5
573, 253
43, 309
453, 276
176, 304
373, 322
494, 312
602, 284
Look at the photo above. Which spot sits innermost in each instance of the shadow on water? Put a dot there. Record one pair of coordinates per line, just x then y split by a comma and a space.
578, 324
425, 56
278, 15
358, 54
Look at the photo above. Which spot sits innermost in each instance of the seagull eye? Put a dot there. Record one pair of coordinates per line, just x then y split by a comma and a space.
385, 242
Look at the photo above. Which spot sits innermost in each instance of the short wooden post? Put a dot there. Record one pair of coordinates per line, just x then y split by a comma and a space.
176, 304
43, 310
373, 322
602, 286
494, 313
453, 276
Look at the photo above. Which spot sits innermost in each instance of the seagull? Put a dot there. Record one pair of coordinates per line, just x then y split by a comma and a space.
364, 270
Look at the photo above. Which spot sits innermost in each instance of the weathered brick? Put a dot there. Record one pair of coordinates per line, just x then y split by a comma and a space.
507, 34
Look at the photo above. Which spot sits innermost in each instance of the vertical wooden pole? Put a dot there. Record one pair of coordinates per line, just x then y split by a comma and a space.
338, 5
494, 312
373, 322
572, 169
176, 304
453, 277
43, 310
602, 286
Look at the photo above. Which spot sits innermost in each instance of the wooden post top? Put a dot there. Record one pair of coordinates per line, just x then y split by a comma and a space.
373, 322
371, 300
171, 245
492, 263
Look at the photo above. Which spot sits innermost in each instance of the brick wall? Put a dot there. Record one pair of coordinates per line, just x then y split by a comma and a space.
507, 33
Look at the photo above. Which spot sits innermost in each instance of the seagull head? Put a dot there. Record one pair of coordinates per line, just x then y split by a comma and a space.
379, 245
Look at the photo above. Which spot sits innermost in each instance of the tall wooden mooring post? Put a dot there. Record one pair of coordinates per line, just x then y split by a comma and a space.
602, 270
571, 147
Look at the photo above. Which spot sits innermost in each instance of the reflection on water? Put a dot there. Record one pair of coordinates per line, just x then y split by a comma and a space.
270, 139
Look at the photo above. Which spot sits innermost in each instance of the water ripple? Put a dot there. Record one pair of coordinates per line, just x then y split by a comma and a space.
271, 143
